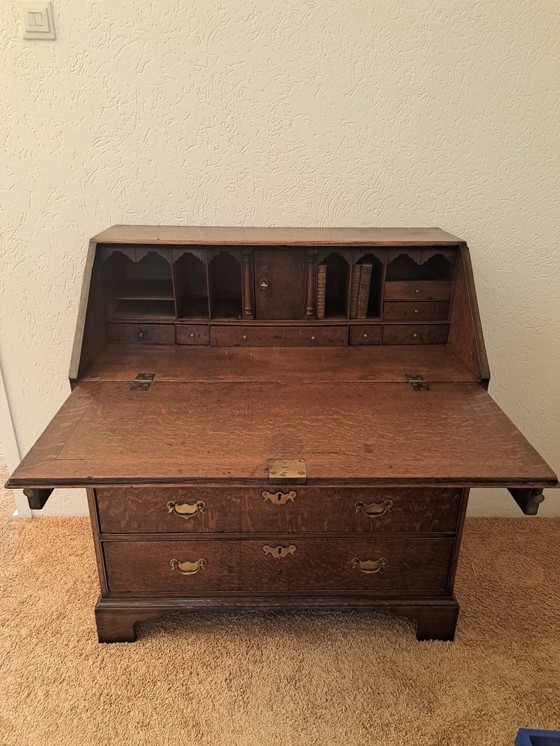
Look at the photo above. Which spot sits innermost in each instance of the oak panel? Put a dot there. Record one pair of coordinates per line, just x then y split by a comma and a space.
279, 284
192, 334
365, 335
416, 290
415, 334
417, 311
158, 334
207, 235
141, 566
271, 508
279, 336
106, 434
417, 565
315, 365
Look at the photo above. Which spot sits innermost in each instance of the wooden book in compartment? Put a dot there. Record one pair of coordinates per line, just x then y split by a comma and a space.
279, 418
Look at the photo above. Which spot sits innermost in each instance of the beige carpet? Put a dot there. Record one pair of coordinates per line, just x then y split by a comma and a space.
278, 679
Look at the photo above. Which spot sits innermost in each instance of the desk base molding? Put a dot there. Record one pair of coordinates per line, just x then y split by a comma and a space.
116, 619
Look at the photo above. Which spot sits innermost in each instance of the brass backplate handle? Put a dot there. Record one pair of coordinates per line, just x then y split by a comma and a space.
373, 510
279, 552
188, 568
279, 498
186, 510
369, 567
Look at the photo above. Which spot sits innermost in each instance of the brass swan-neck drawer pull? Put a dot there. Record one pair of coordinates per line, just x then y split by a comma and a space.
188, 568
369, 567
279, 552
279, 498
373, 510
186, 510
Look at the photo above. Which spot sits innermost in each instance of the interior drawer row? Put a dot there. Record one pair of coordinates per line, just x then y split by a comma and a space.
295, 509
308, 335
278, 565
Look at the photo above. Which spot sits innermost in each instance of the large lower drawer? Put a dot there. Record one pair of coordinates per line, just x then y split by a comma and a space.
293, 509
278, 564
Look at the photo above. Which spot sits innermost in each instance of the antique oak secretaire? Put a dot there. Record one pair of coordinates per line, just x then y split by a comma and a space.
279, 418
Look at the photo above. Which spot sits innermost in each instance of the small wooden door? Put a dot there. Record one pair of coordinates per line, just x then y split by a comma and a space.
279, 284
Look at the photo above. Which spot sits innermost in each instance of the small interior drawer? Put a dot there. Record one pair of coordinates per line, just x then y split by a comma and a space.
365, 335
437, 290
420, 311
162, 334
192, 334
279, 336
408, 334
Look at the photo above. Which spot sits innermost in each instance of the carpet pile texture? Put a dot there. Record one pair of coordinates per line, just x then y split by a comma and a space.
278, 679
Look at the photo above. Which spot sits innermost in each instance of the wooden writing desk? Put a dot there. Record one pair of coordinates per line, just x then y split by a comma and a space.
279, 418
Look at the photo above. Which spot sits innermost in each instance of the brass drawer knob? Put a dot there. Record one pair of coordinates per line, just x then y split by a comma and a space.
188, 568
186, 510
365, 336
373, 510
416, 310
279, 552
415, 336
279, 498
369, 567
140, 335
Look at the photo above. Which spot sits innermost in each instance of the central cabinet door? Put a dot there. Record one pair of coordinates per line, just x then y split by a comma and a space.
279, 284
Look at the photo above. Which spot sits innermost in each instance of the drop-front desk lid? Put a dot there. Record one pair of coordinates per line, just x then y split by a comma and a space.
352, 431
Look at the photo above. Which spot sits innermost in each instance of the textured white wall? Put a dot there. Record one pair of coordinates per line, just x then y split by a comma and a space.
284, 112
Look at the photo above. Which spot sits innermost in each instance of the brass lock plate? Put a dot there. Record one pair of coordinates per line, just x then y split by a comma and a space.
287, 471
142, 382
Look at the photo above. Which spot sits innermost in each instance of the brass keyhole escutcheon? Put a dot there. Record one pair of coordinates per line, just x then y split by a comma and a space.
263, 283
279, 498
279, 552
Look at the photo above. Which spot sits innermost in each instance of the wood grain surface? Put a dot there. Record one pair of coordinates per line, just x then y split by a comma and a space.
116, 617
124, 510
360, 434
365, 335
175, 234
415, 311
142, 333
329, 365
416, 290
417, 565
415, 334
307, 335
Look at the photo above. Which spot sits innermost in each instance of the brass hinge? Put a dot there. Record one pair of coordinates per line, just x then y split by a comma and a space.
287, 471
142, 382
417, 382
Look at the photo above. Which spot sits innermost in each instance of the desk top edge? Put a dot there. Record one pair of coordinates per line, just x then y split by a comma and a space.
277, 236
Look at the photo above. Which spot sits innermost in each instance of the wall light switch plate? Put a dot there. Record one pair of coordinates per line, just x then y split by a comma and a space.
36, 20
